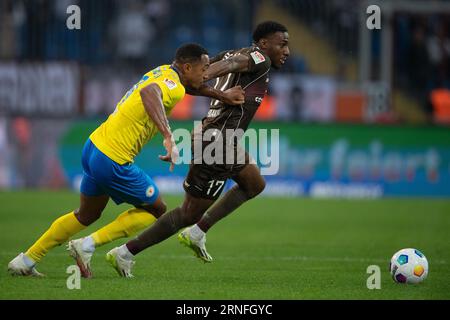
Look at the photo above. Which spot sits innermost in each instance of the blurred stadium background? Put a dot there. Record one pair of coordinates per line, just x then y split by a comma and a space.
362, 113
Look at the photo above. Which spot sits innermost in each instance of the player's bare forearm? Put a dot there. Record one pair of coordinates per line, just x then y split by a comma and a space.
205, 91
152, 100
234, 64
232, 96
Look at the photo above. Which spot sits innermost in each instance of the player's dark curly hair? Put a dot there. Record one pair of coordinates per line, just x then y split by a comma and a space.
267, 28
190, 52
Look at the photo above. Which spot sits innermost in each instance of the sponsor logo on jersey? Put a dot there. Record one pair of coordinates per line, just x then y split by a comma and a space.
156, 72
257, 57
227, 55
170, 83
212, 113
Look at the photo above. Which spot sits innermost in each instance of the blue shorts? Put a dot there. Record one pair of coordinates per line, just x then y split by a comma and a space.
123, 183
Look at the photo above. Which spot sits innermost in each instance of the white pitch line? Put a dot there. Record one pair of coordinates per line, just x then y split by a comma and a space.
295, 258
253, 258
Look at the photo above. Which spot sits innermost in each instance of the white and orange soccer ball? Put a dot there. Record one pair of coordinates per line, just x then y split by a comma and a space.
409, 266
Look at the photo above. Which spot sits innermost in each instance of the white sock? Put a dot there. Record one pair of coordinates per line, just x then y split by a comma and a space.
88, 244
125, 253
196, 232
30, 263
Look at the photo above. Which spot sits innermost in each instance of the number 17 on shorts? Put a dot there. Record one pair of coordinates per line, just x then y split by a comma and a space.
215, 186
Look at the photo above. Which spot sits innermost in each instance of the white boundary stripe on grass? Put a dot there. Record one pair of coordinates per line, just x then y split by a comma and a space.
250, 258
295, 258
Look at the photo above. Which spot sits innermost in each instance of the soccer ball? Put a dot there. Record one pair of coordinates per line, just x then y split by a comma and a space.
409, 266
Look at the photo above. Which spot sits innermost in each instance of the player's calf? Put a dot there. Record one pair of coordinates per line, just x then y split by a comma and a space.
193, 209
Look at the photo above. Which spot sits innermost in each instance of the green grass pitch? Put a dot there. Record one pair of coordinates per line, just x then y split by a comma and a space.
271, 248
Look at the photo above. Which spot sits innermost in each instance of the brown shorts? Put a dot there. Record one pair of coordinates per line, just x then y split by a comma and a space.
208, 180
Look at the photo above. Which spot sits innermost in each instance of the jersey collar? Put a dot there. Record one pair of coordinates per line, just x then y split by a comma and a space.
176, 70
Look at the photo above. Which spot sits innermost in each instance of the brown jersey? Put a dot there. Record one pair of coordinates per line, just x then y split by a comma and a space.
254, 82
207, 180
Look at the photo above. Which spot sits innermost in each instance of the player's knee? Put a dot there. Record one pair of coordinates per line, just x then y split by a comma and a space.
87, 217
157, 209
256, 189
160, 209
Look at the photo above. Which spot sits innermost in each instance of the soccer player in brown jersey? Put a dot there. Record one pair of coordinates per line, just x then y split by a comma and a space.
248, 68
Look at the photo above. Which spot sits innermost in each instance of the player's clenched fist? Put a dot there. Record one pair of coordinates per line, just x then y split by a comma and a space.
234, 96
172, 152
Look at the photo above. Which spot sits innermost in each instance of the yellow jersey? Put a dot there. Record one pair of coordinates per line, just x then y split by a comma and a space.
122, 136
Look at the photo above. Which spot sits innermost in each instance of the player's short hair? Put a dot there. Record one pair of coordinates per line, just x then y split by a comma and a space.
267, 28
190, 52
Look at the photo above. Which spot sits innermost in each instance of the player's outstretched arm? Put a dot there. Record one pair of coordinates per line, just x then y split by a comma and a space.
232, 96
234, 64
151, 96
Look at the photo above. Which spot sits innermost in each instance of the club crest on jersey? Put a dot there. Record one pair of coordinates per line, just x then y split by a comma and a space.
257, 57
170, 83
150, 191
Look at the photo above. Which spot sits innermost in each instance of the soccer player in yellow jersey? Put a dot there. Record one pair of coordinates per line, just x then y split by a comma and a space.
107, 160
